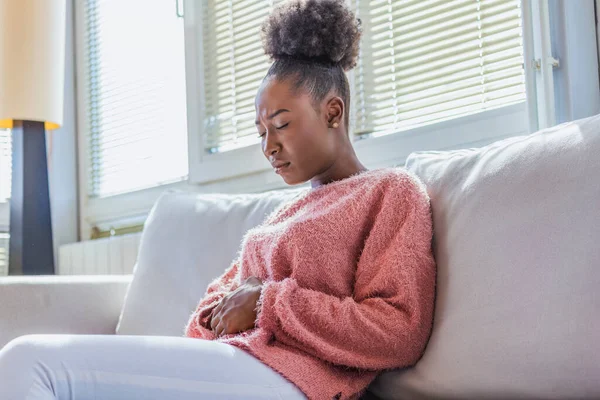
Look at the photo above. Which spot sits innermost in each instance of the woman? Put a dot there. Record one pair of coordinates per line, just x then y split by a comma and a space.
334, 287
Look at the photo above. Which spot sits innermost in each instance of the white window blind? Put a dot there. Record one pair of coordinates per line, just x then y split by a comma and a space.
5, 164
135, 88
421, 62
234, 65
425, 61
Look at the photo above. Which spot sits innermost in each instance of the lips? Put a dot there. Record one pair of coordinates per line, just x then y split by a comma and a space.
279, 166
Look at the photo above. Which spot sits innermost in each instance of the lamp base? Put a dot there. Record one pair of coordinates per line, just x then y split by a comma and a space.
31, 250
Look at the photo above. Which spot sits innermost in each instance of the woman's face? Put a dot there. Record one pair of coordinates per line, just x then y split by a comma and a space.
295, 137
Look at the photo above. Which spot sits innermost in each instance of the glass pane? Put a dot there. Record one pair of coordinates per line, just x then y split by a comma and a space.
427, 62
137, 101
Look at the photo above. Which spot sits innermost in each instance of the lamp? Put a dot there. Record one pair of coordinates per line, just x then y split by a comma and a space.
32, 58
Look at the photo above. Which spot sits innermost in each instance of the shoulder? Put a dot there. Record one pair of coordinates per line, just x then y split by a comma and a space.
398, 184
402, 199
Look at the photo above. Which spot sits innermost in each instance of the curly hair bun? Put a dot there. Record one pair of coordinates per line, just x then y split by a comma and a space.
325, 31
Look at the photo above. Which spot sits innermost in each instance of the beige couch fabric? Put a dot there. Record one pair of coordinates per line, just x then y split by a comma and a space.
517, 242
188, 240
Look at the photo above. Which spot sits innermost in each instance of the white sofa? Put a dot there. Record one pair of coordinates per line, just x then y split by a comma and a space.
60, 304
516, 228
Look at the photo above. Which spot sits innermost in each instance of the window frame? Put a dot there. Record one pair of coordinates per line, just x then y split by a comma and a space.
118, 210
4, 215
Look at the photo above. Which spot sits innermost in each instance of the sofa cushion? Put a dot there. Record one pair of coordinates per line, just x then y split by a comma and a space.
516, 239
188, 240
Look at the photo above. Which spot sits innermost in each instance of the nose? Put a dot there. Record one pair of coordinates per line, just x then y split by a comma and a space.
271, 145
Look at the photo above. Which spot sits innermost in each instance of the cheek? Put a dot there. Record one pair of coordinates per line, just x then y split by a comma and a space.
307, 145
313, 155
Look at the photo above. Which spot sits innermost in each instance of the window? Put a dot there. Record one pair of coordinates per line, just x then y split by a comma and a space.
432, 74
5, 165
428, 61
234, 65
134, 94
5, 183
421, 62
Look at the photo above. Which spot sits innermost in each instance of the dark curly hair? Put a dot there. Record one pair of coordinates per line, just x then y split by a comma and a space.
313, 42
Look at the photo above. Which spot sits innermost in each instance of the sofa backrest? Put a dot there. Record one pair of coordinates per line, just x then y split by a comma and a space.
516, 240
188, 240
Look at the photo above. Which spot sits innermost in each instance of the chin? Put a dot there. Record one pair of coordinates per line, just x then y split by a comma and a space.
292, 179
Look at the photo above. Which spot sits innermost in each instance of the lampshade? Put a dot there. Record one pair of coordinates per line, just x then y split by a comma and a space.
32, 60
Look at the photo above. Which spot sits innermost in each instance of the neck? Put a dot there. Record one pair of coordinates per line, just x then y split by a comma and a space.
344, 166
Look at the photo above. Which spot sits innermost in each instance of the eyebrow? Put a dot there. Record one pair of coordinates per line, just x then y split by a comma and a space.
276, 113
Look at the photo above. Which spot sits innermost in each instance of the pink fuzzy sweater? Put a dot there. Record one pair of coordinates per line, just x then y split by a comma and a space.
349, 282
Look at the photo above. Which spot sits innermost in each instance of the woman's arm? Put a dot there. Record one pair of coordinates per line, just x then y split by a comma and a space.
386, 324
199, 322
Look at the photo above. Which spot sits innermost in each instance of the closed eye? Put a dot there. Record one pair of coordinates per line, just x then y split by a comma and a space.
262, 134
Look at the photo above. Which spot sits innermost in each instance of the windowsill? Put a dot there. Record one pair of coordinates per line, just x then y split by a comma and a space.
388, 150
132, 208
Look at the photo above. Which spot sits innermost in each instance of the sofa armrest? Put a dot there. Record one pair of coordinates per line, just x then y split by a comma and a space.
60, 304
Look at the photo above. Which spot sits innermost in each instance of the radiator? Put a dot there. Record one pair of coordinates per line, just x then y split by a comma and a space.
3, 254
111, 256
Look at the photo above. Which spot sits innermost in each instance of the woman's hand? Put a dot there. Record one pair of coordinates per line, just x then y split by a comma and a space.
237, 310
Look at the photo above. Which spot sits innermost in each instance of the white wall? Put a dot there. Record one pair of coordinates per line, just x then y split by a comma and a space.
62, 156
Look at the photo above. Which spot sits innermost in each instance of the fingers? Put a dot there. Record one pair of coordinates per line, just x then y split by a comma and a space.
218, 308
215, 317
209, 318
214, 321
236, 312
217, 323
220, 329
220, 324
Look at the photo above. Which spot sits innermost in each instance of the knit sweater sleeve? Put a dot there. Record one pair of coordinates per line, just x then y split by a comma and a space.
199, 322
387, 321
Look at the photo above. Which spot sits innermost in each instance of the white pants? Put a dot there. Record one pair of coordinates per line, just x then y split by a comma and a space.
102, 367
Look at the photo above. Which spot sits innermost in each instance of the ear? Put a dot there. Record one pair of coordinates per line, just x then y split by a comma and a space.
334, 111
